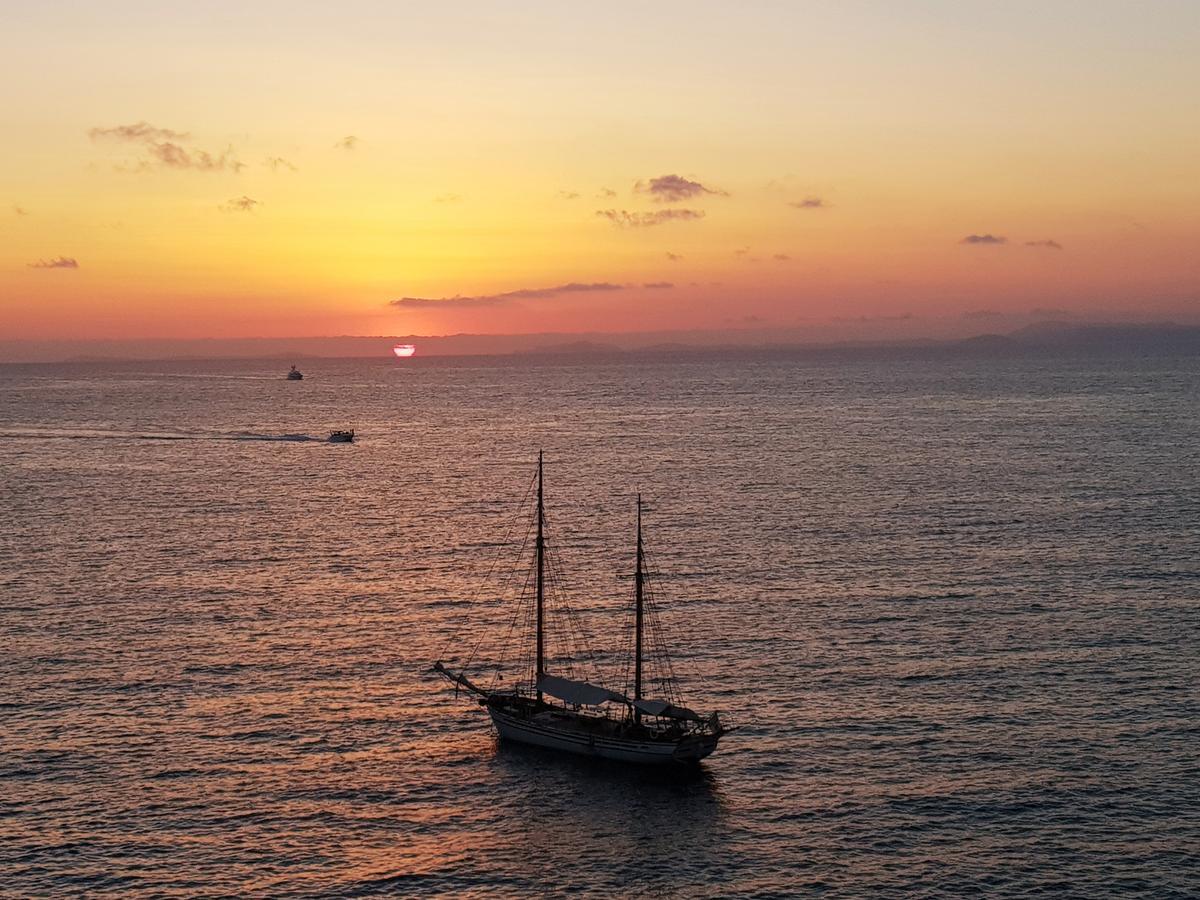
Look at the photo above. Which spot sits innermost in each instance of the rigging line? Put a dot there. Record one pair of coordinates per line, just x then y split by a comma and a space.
524, 605
626, 647
484, 633
667, 674
522, 614
687, 668
522, 602
526, 670
585, 644
576, 638
479, 588
525, 541
566, 641
579, 632
568, 645
582, 641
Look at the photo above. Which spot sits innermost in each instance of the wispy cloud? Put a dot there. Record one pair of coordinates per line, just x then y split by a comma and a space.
173, 156
674, 257
161, 147
1045, 245
275, 163
568, 195
349, 142
624, 219
20, 210
240, 204
606, 194
673, 188
142, 132
458, 301
781, 257
59, 262
448, 198
983, 239
810, 203
659, 285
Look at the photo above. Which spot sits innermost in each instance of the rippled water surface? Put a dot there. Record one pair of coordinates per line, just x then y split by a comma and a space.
951, 603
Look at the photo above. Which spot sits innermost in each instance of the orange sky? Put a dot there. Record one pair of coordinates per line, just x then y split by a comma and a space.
779, 164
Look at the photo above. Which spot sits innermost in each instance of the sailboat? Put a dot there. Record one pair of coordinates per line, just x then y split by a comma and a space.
578, 716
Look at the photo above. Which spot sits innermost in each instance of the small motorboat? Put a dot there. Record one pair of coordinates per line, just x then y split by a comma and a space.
341, 437
295, 374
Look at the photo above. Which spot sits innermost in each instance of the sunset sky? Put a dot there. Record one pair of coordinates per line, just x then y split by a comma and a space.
277, 169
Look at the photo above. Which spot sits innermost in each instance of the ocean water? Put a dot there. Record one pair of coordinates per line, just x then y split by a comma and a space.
951, 603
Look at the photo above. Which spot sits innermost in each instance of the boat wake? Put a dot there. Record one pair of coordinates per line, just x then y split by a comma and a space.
90, 434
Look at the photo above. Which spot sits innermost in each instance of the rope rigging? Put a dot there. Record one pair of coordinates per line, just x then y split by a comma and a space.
568, 651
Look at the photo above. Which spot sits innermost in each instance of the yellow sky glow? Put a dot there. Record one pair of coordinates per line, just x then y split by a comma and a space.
490, 141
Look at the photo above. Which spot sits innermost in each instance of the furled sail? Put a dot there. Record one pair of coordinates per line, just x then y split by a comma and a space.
666, 710
577, 692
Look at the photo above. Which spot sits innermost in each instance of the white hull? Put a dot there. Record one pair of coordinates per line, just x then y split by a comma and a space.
541, 731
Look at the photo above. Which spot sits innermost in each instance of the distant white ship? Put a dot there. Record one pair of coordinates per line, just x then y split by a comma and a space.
592, 720
295, 374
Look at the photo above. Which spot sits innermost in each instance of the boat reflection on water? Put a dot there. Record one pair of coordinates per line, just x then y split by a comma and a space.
673, 813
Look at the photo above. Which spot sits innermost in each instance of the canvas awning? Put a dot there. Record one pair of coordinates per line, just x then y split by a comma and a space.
577, 692
666, 710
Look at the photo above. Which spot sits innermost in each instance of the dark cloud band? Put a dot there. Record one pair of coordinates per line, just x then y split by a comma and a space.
573, 287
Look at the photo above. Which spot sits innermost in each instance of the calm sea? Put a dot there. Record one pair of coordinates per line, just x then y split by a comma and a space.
953, 605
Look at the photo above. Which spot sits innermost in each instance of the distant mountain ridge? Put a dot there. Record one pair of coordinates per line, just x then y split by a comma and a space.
1038, 337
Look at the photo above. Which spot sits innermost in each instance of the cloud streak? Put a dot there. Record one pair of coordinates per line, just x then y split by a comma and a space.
142, 132
659, 285
460, 302
161, 146
275, 163
173, 156
624, 219
809, 203
349, 142
1045, 245
59, 262
674, 188
984, 239
240, 204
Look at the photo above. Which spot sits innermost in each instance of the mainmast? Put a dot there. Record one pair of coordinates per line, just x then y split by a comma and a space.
541, 579
638, 581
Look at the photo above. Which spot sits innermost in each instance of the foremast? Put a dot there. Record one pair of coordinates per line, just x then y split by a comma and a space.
639, 580
541, 586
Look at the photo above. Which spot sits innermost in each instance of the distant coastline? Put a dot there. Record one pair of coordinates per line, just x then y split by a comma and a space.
1035, 338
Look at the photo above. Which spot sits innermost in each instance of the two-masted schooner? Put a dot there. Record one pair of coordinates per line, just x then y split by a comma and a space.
577, 716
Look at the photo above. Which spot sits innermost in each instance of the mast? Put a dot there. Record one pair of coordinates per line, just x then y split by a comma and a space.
541, 579
638, 581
